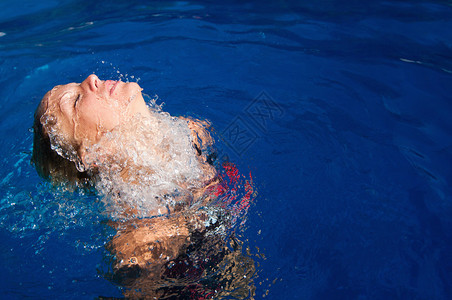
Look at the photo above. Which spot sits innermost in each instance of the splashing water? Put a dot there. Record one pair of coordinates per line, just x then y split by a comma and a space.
148, 165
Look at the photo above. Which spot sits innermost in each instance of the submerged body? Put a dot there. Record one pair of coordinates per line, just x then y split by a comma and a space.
153, 172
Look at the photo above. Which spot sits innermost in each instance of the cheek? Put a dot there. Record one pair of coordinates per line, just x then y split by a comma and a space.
98, 119
109, 121
87, 119
84, 126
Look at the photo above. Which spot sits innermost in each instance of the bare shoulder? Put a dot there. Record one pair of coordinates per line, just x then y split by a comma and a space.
200, 132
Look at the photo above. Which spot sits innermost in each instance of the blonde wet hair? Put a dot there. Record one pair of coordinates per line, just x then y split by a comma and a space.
60, 157
54, 157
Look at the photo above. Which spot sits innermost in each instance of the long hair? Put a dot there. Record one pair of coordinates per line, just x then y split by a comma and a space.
50, 164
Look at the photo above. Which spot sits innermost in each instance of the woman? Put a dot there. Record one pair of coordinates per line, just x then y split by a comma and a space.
157, 181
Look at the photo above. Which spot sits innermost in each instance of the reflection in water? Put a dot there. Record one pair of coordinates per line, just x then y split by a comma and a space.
173, 205
174, 213
191, 254
198, 263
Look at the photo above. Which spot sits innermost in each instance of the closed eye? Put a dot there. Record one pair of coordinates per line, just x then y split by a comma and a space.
76, 100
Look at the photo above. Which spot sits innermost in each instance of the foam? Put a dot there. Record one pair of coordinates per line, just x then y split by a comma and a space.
147, 165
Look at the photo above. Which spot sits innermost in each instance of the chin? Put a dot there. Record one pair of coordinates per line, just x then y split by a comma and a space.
133, 86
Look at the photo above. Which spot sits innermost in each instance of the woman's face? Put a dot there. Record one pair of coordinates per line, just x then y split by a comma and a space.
85, 111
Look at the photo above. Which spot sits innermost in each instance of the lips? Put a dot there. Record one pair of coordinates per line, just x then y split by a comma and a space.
112, 85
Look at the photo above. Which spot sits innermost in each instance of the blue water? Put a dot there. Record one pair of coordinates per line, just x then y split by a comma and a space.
341, 111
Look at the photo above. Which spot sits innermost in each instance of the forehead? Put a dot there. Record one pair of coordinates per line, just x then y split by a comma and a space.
60, 91
60, 95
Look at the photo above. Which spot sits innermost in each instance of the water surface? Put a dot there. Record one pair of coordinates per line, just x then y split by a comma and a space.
343, 110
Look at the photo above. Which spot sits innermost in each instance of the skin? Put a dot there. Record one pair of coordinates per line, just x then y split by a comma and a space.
87, 110
83, 113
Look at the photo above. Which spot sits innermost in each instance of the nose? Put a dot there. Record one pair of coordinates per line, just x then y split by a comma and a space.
92, 82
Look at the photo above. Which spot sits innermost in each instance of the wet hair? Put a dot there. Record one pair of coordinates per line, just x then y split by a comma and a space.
51, 164
57, 158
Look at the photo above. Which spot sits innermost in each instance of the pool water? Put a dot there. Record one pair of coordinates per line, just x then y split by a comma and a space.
340, 110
